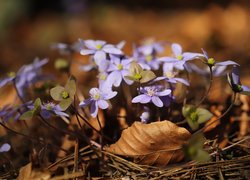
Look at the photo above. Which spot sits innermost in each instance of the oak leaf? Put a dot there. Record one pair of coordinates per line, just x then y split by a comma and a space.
158, 143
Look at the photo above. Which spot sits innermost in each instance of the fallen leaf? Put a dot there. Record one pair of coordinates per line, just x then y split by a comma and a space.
158, 143
26, 172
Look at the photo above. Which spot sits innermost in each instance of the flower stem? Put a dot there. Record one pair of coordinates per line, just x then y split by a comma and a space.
221, 116
208, 89
29, 137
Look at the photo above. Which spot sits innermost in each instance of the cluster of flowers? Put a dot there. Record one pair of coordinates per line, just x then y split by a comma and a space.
115, 67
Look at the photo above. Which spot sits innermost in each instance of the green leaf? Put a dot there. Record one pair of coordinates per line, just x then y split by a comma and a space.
135, 68
27, 115
70, 87
201, 156
147, 76
194, 149
37, 103
204, 115
56, 93
65, 103
186, 110
193, 124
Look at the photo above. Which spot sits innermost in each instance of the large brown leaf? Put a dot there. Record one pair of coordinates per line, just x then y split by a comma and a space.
158, 143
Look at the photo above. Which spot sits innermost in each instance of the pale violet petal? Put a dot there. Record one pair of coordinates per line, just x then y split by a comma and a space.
157, 101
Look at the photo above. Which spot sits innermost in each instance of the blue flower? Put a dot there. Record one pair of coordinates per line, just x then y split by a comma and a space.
151, 94
234, 82
98, 99
4, 147
50, 108
179, 58
99, 49
25, 76
211, 61
169, 75
118, 69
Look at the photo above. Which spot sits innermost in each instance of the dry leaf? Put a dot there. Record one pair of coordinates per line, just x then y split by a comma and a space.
158, 143
27, 173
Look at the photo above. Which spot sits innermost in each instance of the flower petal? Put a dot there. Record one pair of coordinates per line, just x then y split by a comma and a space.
177, 49
226, 63
102, 104
99, 56
94, 109
112, 50
164, 93
90, 44
157, 101
87, 51
245, 90
143, 98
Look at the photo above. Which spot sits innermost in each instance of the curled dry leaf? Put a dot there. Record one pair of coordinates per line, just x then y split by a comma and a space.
27, 173
158, 143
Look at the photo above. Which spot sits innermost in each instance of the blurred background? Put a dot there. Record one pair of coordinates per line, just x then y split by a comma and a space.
28, 28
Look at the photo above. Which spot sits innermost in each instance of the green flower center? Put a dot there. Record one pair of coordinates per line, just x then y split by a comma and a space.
119, 66
98, 46
149, 58
211, 61
137, 76
103, 77
179, 57
49, 107
65, 94
11, 74
194, 116
96, 96
239, 88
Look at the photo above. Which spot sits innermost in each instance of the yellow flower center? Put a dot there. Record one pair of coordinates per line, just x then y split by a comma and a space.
137, 76
179, 57
211, 61
96, 96
119, 66
103, 77
11, 74
149, 58
65, 94
98, 46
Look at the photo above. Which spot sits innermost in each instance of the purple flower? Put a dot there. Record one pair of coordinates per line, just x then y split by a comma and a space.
4, 147
98, 99
234, 82
169, 75
151, 94
4, 81
145, 117
151, 47
216, 70
99, 49
50, 108
12, 113
211, 61
179, 58
25, 76
118, 68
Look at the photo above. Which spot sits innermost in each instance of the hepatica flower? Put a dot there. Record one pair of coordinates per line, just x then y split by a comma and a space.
65, 95
216, 70
5, 147
98, 99
211, 61
151, 94
26, 75
118, 68
179, 58
169, 75
137, 74
234, 82
99, 49
151, 47
48, 109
